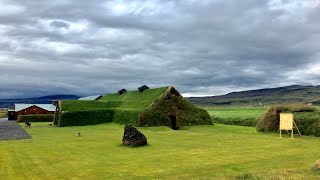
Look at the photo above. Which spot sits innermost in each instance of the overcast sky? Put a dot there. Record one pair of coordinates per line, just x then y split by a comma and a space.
202, 47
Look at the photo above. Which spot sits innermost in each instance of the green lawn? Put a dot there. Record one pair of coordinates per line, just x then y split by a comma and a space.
198, 152
236, 116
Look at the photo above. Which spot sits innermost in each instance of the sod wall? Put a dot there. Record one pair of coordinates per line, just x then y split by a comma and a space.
98, 116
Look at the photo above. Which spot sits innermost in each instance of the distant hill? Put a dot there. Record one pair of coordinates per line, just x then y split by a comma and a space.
263, 97
5, 103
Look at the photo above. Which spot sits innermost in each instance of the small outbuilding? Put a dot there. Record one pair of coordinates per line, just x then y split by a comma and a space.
26, 109
142, 88
122, 91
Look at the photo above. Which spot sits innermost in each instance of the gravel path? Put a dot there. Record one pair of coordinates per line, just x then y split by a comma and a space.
10, 130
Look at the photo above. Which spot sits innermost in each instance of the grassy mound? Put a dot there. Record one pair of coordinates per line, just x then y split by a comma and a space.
269, 121
172, 106
36, 118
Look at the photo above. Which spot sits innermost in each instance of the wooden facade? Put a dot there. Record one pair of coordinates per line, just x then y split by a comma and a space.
30, 110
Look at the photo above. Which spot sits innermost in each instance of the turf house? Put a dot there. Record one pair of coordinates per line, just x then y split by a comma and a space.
151, 107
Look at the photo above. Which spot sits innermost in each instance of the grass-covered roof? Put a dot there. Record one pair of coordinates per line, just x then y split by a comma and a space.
152, 107
135, 99
127, 100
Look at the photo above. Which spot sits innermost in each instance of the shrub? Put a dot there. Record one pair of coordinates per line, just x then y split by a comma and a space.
269, 121
36, 118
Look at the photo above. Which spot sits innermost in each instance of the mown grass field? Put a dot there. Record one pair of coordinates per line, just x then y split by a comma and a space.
236, 115
197, 152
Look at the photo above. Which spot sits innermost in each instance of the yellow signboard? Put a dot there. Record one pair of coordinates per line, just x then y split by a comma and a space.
286, 121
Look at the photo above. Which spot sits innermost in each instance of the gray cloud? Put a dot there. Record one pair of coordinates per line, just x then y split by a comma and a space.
203, 48
59, 24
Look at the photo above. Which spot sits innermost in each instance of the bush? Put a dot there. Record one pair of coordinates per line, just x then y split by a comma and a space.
306, 118
36, 118
98, 116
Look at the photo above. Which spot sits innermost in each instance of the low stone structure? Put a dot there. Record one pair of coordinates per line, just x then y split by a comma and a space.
133, 137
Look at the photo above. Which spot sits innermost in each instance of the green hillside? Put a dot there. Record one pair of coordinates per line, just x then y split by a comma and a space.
135, 99
264, 97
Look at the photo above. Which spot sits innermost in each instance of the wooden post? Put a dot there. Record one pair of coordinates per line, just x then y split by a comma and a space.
295, 125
